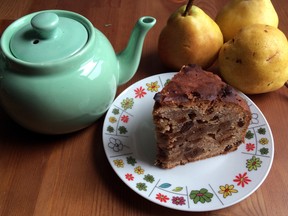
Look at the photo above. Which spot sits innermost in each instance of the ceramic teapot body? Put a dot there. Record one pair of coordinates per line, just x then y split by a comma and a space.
57, 93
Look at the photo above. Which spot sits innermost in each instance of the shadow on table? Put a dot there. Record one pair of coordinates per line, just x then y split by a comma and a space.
122, 196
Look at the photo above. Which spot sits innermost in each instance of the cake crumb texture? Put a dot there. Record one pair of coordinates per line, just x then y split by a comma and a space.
198, 116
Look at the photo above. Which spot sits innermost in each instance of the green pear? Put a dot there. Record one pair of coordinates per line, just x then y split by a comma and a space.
237, 14
189, 37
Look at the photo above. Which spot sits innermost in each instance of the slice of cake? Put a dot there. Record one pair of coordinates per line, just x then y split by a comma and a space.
197, 116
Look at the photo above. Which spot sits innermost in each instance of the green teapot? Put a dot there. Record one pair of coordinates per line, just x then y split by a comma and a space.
59, 74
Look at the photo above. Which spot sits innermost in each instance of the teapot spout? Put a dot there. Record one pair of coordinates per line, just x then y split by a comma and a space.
129, 58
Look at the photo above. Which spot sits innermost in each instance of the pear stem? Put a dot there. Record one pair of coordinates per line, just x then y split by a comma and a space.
188, 7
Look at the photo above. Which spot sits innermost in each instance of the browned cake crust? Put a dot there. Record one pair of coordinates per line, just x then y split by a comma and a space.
198, 116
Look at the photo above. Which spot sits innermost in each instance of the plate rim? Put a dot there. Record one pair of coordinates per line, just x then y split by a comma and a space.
130, 88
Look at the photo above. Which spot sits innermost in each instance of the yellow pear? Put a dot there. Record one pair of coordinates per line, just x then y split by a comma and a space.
240, 13
190, 36
255, 60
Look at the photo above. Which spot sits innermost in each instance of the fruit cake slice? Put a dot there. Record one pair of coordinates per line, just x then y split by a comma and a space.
197, 116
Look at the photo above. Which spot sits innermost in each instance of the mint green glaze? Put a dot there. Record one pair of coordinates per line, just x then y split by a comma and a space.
47, 25
59, 37
68, 92
134, 48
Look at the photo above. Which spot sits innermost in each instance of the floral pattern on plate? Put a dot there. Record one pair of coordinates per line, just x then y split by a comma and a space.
130, 146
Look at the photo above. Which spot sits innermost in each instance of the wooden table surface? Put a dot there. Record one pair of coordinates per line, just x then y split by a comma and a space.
70, 174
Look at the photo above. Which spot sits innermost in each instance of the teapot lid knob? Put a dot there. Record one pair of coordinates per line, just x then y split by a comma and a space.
46, 25
48, 36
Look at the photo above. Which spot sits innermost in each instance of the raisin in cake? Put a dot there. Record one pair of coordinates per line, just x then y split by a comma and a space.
197, 116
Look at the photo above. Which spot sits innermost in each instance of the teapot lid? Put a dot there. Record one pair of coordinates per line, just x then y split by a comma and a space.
48, 37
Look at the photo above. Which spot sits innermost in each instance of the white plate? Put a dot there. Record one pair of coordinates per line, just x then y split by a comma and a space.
215, 183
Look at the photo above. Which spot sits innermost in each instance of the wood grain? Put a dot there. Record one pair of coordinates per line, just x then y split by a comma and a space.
70, 175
